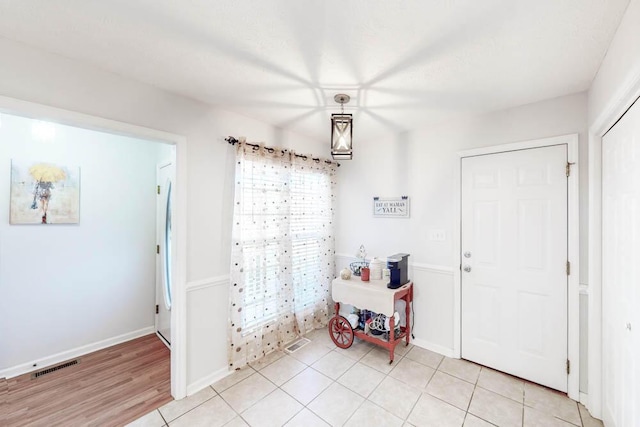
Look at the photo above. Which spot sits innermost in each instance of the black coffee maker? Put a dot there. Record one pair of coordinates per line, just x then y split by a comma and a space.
399, 270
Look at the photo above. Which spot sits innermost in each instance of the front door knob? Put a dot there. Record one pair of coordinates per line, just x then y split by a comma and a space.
467, 268
467, 254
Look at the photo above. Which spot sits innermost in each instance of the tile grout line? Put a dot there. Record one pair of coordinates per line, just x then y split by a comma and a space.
448, 403
189, 410
333, 382
354, 412
242, 380
307, 366
355, 361
406, 419
388, 375
162, 416
469, 407
580, 415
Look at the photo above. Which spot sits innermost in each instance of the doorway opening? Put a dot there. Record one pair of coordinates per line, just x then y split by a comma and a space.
570, 144
176, 268
514, 281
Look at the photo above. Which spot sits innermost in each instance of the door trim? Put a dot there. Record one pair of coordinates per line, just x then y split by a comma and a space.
619, 103
573, 250
29, 109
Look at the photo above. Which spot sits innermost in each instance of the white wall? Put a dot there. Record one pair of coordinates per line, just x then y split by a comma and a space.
418, 164
620, 66
69, 286
49, 79
421, 165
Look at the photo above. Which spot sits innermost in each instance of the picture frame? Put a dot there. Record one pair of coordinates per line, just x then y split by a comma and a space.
391, 207
44, 193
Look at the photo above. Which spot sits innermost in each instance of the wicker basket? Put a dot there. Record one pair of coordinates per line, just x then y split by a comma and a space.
357, 266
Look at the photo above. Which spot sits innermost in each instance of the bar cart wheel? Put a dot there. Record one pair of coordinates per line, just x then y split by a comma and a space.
341, 331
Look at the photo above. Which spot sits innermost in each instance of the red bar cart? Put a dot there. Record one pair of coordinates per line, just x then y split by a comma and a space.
375, 296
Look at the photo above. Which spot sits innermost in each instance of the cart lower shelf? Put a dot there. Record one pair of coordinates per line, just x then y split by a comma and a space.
343, 335
358, 294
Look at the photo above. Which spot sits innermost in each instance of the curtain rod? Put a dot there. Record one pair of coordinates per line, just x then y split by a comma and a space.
233, 141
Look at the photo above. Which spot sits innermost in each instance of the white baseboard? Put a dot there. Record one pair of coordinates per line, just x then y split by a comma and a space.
216, 376
43, 362
448, 352
584, 398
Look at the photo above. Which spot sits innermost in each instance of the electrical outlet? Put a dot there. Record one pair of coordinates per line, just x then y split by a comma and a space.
437, 235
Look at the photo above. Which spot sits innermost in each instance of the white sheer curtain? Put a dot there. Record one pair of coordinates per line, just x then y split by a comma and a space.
282, 259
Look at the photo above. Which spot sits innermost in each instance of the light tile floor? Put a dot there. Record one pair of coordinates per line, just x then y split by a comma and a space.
322, 385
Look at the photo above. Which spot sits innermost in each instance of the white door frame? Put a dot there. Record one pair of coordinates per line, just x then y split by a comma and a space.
178, 315
620, 102
573, 292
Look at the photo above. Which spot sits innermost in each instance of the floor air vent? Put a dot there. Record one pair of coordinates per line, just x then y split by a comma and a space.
297, 345
54, 368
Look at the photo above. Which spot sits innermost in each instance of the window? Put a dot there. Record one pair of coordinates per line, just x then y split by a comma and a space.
282, 250
286, 213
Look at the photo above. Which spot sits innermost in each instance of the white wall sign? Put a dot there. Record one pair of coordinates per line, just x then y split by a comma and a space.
396, 207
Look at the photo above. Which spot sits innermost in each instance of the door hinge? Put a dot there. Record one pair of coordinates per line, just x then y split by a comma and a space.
159, 188
568, 268
568, 367
157, 249
157, 309
568, 169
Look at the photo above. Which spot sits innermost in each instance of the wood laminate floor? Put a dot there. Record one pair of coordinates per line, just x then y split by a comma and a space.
110, 387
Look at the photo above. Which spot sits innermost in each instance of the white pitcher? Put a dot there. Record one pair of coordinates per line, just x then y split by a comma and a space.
376, 265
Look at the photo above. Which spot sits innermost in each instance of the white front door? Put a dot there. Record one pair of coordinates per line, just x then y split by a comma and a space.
164, 256
514, 261
621, 271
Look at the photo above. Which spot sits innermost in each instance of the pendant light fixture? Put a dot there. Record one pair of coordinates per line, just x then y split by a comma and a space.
342, 131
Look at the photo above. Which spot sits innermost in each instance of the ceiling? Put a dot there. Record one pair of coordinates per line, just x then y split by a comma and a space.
407, 64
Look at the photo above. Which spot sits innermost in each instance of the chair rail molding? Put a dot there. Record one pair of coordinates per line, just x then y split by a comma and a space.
416, 266
432, 268
208, 282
